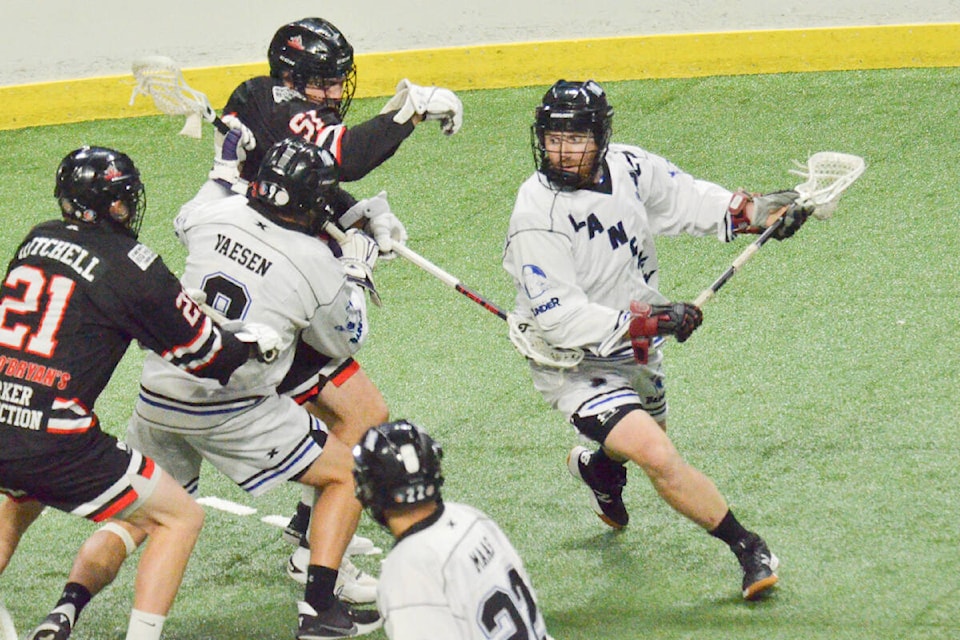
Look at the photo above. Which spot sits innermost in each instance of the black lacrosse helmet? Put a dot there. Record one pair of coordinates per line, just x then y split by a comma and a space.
396, 465
96, 184
295, 185
311, 51
577, 107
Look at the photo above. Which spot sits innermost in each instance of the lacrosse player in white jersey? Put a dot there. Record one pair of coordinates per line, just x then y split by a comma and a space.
452, 573
580, 249
259, 257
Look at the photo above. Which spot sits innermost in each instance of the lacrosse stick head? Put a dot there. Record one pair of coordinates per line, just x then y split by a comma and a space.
527, 340
828, 174
160, 78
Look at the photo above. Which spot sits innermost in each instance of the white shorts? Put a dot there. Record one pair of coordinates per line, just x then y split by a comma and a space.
600, 387
273, 442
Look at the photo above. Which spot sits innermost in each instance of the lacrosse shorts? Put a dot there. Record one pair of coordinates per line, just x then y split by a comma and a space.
271, 443
103, 479
595, 395
311, 371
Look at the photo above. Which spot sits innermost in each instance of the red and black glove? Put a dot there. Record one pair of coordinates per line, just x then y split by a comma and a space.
678, 319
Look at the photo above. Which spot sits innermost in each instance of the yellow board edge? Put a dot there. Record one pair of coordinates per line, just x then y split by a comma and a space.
532, 63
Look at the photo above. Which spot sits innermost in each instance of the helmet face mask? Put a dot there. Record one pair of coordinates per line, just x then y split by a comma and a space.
568, 109
95, 184
295, 184
396, 465
313, 53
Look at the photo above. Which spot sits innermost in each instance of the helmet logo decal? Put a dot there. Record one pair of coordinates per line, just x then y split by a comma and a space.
296, 42
112, 173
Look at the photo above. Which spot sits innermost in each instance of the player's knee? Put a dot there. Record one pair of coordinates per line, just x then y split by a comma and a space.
662, 464
116, 537
377, 411
194, 518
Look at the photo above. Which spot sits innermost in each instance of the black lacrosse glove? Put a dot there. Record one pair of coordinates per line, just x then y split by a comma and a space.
769, 207
793, 218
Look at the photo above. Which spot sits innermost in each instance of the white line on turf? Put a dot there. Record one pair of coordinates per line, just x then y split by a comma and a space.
226, 505
276, 521
358, 546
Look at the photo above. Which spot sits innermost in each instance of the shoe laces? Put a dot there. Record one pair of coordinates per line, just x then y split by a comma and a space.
348, 569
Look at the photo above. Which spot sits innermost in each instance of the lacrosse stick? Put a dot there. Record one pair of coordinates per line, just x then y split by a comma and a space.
160, 78
828, 175
523, 335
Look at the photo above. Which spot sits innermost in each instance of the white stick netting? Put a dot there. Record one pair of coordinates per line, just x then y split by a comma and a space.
160, 78
828, 174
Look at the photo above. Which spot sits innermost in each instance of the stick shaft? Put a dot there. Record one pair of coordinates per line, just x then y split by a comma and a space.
410, 255
738, 262
448, 279
220, 125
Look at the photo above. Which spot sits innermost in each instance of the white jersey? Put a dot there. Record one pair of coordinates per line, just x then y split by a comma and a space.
455, 575
579, 257
252, 270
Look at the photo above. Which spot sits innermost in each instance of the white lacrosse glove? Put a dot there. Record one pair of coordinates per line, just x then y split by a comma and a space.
433, 103
264, 341
248, 142
358, 255
230, 150
382, 224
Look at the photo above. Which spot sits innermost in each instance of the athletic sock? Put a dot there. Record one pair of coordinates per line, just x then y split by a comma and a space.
730, 530
145, 626
74, 598
319, 590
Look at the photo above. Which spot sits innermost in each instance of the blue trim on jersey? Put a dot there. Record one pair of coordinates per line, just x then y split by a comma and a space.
211, 410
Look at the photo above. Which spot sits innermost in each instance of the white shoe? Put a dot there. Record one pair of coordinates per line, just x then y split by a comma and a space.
353, 584
360, 546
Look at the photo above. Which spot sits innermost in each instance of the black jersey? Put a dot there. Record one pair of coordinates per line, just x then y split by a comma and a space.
74, 297
273, 111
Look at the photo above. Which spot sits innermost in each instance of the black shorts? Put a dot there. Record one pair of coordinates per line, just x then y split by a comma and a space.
311, 371
103, 479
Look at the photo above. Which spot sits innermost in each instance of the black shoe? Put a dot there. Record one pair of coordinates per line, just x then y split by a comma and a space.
606, 486
56, 626
297, 526
339, 621
759, 566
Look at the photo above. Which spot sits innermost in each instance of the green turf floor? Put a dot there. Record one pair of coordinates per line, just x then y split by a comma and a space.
820, 393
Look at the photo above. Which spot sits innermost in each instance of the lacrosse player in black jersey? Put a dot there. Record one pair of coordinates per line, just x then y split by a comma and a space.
307, 94
77, 292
